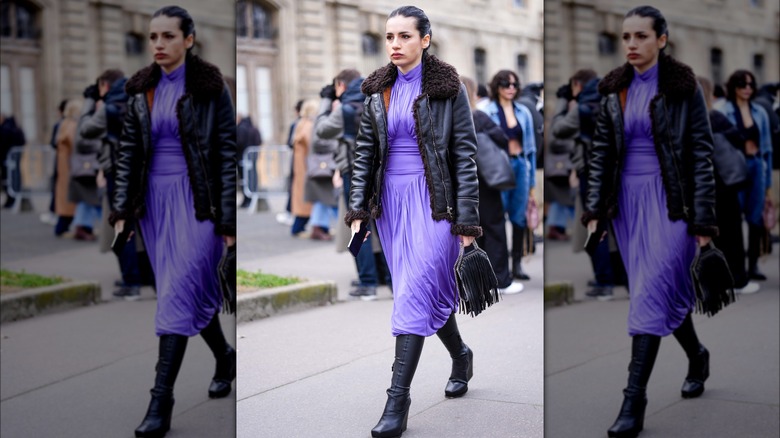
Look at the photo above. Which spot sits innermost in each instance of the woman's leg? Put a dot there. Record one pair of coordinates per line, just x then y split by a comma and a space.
630, 421
698, 359
407, 354
158, 416
225, 356
462, 359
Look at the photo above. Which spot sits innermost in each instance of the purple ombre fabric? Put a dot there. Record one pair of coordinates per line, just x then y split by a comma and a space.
657, 252
420, 252
184, 252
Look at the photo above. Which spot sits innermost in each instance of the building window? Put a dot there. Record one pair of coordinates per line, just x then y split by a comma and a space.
370, 44
242, 91
522, 67
757, 3
28, 97
758, 67
480, 65
134, 44
264, 99
6, 102
607, 44
519, 3
716, 65
253, 20
19, 20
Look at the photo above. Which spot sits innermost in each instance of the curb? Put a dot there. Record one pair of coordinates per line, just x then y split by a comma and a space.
558, 294
49, 299
285, 299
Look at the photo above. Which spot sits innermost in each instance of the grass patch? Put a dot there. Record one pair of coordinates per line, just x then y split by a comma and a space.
16, 281
263, 281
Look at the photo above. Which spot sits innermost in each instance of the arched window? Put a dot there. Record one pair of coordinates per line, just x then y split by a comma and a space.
607, 44
19, 20
134, 44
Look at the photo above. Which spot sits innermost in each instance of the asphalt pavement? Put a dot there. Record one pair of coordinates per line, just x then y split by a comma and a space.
87, 372
323, 372
587, 350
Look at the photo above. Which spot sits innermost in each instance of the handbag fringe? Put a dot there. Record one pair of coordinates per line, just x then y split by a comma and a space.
476, 282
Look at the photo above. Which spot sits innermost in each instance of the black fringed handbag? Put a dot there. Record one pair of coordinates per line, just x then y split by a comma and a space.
226, 270
712, 280
476, 281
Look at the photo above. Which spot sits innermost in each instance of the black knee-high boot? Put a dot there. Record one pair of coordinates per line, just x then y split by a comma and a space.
518, 243
630, 421
158, 417
698, 359
226, 359
407, 354
462, 359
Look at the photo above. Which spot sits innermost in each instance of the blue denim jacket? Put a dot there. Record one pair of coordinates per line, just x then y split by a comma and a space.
526, 121
761, 119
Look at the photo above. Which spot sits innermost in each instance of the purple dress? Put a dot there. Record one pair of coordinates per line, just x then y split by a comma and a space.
184, 252
656, 251
421, 252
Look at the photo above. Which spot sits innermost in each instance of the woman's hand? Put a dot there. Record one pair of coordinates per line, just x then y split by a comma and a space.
593, 224
355, 227
337, 181
703, 240
229, 240
466, 240
101, 179
119, 226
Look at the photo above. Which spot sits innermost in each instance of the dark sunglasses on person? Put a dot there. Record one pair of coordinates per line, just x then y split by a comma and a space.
507, 84
743, 83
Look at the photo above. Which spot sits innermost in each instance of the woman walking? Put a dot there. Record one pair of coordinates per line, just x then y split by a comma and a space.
415, 173
651, 174
517, 123
66, 139
176, 174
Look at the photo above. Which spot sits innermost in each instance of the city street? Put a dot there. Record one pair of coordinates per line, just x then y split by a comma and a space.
587, 350
323, 372
87, 372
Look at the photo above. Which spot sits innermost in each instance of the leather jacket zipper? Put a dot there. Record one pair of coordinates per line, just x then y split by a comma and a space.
674, 158
436, 154
380, 177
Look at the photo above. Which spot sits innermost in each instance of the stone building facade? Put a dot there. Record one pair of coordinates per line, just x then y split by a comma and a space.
289, 49
53, 49
714, 37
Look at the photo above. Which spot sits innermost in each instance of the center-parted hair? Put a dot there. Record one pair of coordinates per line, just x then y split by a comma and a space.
423, 23
738, 79
659, 22
186, 23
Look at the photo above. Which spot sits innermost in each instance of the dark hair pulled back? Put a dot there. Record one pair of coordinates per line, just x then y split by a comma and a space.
423, 23
659, 22
186, 23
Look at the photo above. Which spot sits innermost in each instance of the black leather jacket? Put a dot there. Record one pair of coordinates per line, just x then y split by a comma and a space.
447, 142
683, 142
207, 126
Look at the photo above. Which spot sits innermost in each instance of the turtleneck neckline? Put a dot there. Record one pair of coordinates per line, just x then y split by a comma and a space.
175, 75
412, 75
649, 74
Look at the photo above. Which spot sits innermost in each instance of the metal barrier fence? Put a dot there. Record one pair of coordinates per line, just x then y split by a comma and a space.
30, 169
266, 172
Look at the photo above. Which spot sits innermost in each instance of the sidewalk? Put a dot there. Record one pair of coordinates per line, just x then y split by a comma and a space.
324, 372
87, 372
588, 349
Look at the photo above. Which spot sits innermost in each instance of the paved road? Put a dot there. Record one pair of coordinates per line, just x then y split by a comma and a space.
323, 372
587, 350
87, 372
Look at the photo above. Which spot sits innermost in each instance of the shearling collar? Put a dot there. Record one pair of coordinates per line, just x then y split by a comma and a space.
674, 78
203, 80
439, 79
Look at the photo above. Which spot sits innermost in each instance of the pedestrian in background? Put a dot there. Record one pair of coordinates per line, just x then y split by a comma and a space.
661, 201
300, 208
423, 207
176, 174
11, 135
492, 218
246, 135
66, 138
517, 122
752, 122
84, 169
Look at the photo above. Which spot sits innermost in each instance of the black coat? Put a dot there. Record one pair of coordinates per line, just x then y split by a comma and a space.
445, 136
207, 126
683, 143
